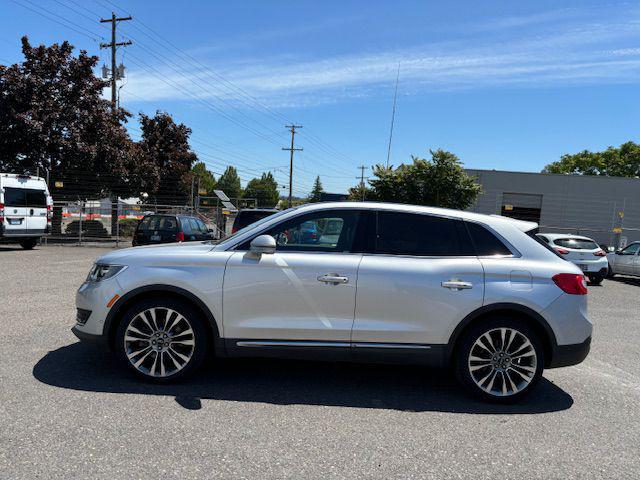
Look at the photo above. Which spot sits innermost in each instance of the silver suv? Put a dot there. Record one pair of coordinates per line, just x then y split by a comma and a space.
348, 281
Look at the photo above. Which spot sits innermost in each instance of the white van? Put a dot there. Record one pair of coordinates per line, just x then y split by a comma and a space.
25, 209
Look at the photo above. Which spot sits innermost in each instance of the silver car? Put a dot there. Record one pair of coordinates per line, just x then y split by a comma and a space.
625, 261
378, 282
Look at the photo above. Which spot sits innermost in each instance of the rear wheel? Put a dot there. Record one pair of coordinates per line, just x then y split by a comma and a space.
595, 279
29, 243
499, 360
161, 340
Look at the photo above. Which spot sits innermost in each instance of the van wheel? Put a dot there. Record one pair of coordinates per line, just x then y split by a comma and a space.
161, 340
28, 244
499, 360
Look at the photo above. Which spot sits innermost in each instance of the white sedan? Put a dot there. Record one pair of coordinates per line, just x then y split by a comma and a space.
583, 251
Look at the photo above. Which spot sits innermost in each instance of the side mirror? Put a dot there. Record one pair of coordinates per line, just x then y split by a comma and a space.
263, 244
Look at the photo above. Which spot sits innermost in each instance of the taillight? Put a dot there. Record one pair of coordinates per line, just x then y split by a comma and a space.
180, 237
572, 283
599, 253
49, 212
562, 251
1, 212
233, 230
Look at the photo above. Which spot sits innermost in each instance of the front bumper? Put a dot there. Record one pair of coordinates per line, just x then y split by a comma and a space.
565, 355
97, 340
93, 298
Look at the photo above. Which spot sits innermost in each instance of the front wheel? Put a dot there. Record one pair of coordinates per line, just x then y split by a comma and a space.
161, 340
499, 360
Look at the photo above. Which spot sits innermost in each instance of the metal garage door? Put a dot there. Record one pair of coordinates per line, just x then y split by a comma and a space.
523, 206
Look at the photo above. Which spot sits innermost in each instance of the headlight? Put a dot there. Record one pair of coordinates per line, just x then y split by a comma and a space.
102, 272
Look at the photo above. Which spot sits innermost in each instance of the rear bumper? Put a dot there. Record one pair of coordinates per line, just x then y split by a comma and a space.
566, 355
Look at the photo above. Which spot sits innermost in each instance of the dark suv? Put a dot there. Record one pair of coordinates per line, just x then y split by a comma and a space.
250, 215
158, 228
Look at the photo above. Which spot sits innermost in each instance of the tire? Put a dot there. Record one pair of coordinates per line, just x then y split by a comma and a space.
595, 279
499, 379
153, 321
29, 243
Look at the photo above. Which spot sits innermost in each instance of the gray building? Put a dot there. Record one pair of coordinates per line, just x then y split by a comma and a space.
604, 208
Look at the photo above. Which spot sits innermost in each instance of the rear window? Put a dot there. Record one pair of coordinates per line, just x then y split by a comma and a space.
167, 224
24, 197
485, 242
576, 243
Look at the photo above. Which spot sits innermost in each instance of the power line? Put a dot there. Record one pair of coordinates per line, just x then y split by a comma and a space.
393, 115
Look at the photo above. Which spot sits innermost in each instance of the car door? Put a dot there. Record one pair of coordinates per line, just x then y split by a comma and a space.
419, 280
626, 258
303, 294
36, 209
15, 210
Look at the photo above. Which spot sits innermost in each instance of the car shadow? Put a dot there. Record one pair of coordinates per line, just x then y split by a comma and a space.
5, 248
628, 280
404, 388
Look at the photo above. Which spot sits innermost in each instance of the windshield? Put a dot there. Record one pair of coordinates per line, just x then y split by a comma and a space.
576, 243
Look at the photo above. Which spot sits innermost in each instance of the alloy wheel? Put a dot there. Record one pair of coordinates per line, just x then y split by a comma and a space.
159, 342
502, 362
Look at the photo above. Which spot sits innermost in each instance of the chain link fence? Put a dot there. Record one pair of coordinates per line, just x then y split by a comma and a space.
102, 222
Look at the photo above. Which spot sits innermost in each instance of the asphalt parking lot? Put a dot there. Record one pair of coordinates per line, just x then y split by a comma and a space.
68, 411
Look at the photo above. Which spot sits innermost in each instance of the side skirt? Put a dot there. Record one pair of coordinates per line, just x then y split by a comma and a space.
365, 352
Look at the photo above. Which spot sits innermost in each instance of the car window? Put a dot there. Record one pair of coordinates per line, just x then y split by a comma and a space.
195, 226
14, 197
325, 231
576, 243
35, 198
201, 226
485, 242
158, 223
631, 249
420, 235
186, 225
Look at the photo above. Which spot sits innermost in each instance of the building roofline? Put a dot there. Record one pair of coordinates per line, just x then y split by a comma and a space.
564, 175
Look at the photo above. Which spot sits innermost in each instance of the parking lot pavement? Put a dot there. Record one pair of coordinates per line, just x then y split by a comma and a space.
67, 411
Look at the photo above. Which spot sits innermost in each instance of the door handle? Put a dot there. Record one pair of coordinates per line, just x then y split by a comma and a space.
333, 278
457, 285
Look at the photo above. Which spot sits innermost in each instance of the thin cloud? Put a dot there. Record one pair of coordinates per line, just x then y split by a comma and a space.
599, 53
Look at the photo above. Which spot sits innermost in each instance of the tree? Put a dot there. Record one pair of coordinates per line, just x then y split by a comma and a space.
360, 193
439, 182
229, 183
166, 144
314, 196
264, 190
205, 178
623, 161
53, 118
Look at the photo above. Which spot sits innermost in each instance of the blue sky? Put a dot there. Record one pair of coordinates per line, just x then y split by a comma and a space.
504, 85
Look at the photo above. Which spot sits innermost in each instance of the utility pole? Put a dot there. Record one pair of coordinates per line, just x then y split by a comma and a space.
362, 178
292, 129
113, 45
